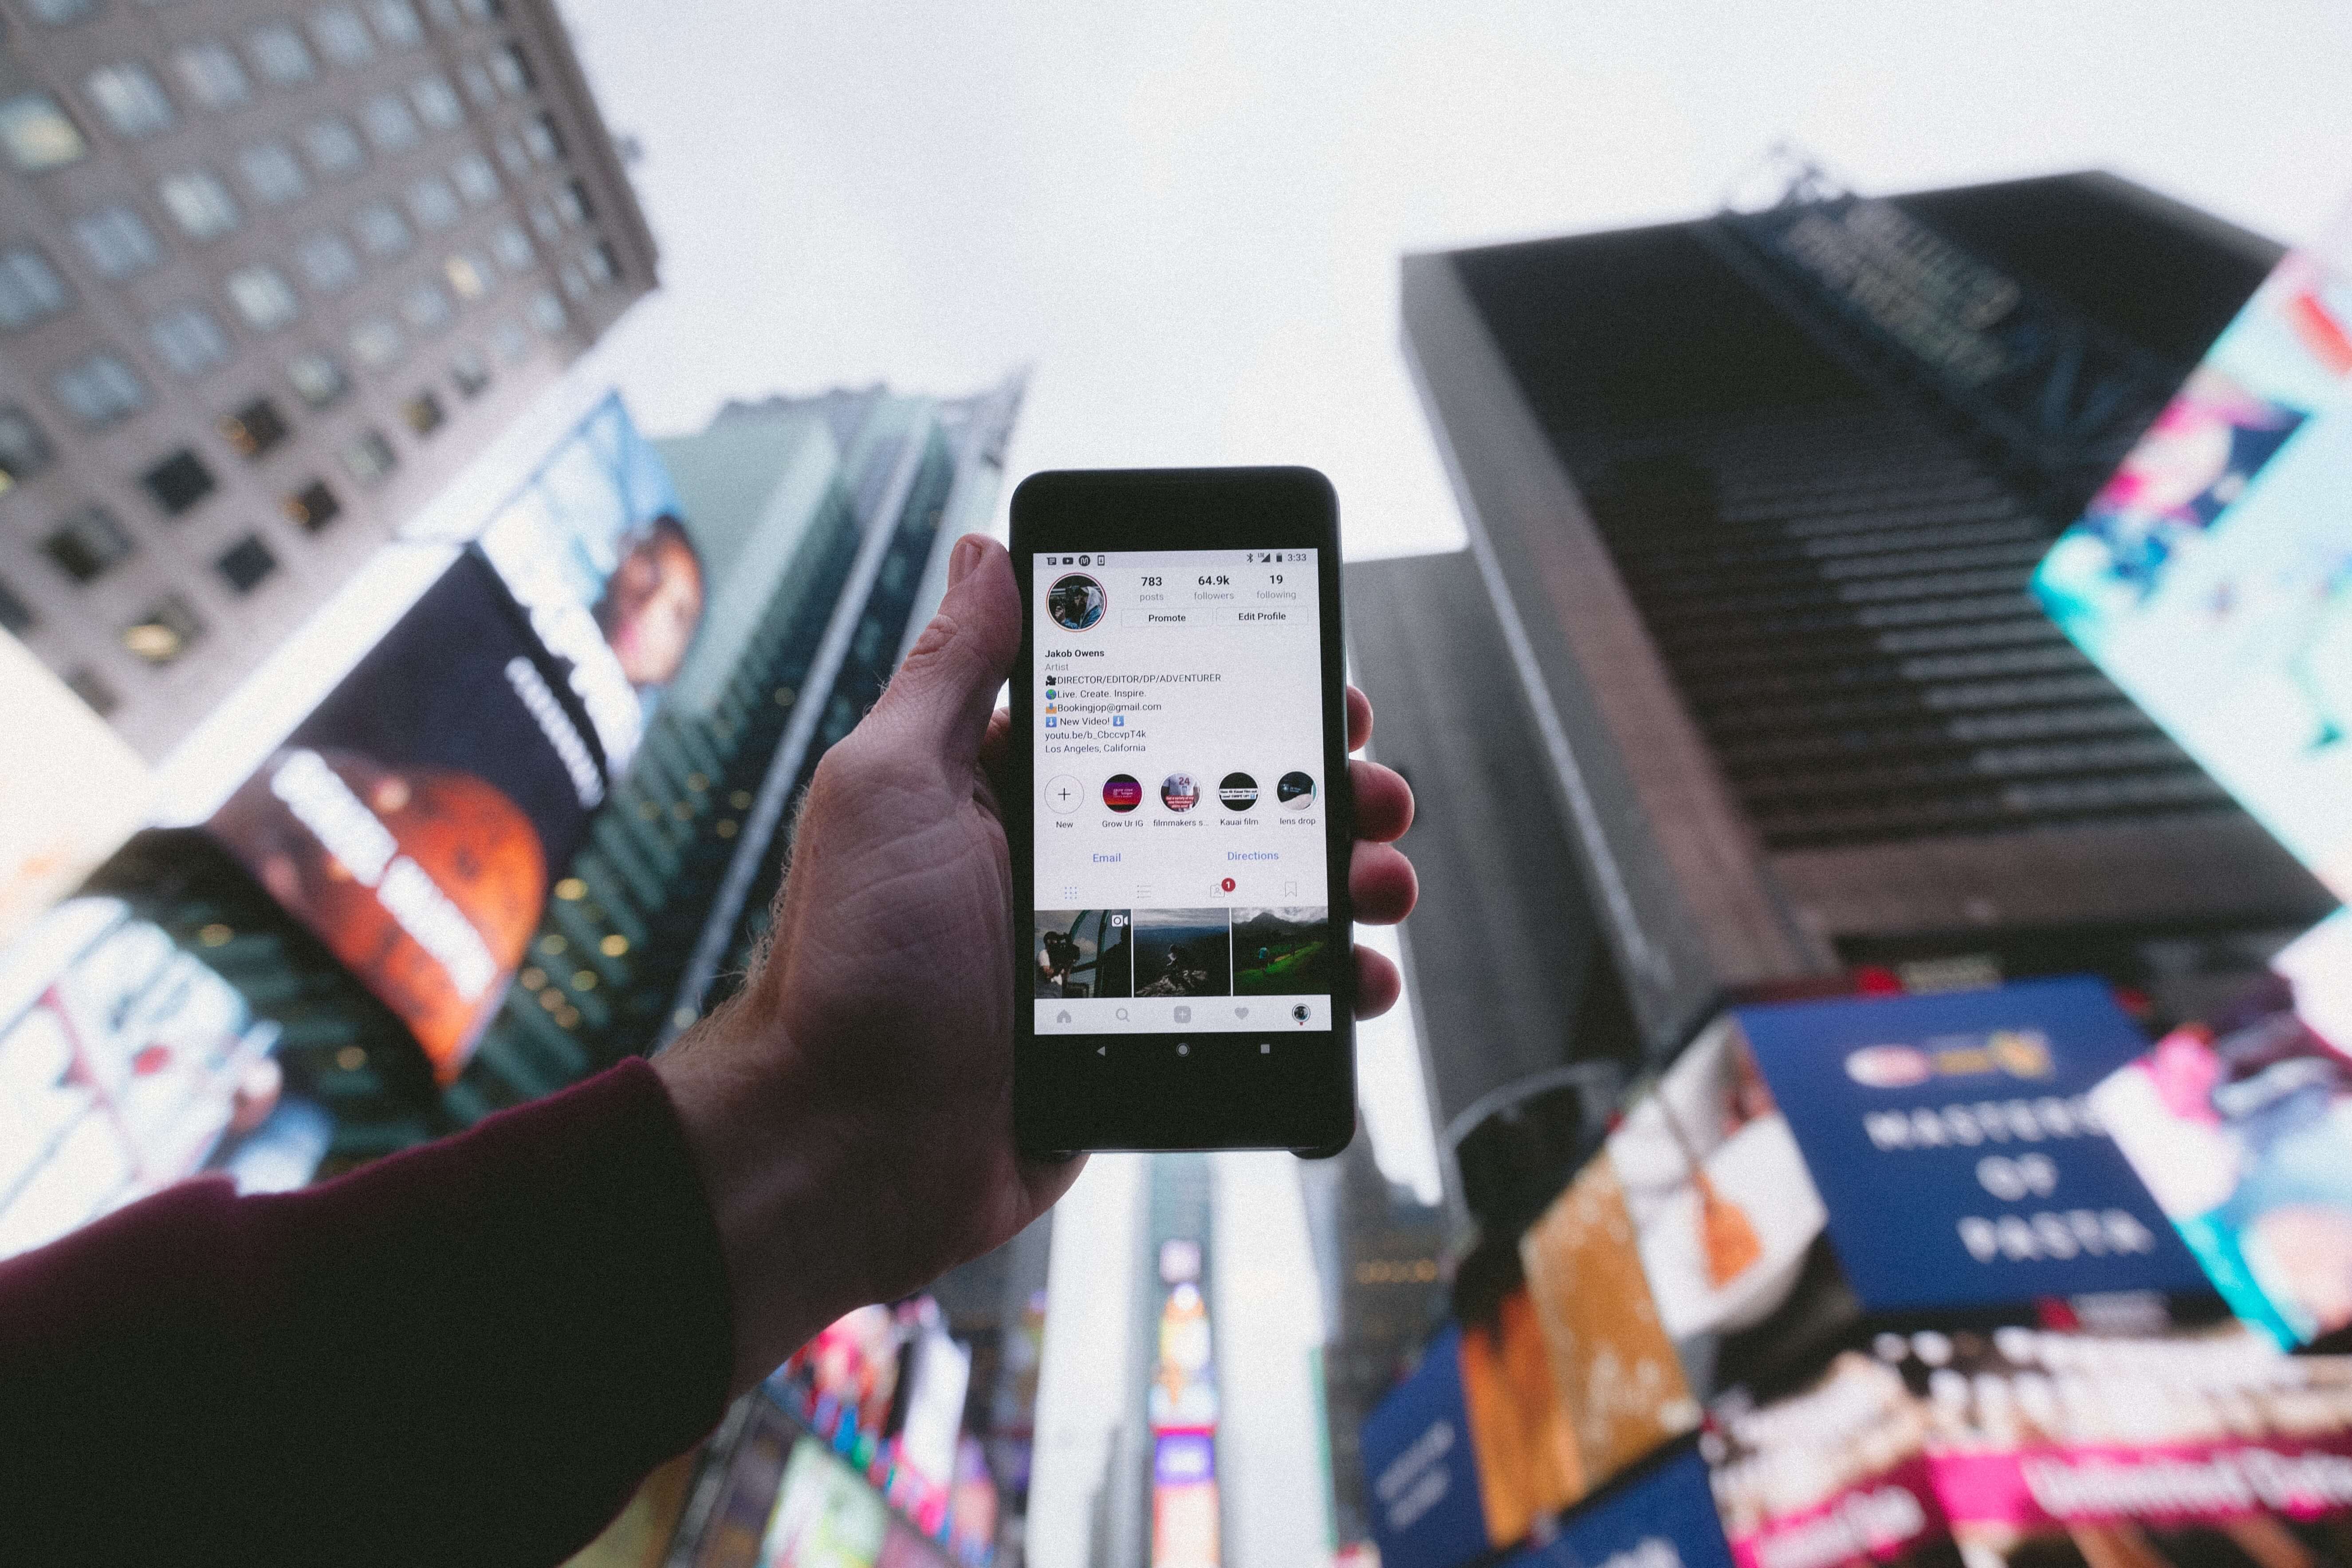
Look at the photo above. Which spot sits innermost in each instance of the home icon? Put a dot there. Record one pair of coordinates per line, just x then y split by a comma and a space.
1063, 1018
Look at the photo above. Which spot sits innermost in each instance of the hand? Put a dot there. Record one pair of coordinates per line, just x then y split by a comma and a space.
851, 1108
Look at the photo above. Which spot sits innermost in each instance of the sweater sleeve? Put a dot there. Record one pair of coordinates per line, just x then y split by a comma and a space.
467, 1352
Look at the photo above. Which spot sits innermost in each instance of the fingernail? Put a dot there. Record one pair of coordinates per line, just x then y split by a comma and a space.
965, 557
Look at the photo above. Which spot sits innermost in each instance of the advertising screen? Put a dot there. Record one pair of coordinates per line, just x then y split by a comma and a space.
2212, 577
1422, 1469
592, 546
826, 1517
1663, 1517
124, 1065
410, 819
1179, 856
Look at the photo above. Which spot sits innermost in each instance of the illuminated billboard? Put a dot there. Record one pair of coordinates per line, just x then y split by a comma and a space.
2211, 577
410, 819
125, 1066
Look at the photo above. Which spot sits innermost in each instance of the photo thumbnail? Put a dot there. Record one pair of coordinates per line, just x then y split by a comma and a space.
1293, 788
1237, 791
1282, 953
1183, 952
1076, 600
1122, 793
1081, 953
1180, 792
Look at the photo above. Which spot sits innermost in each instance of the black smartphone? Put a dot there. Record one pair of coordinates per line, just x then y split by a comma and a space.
1180, 822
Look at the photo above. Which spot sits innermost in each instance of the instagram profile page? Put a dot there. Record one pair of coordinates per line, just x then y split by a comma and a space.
1179, 856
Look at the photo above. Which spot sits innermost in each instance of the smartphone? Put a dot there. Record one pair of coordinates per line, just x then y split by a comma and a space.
1180, 822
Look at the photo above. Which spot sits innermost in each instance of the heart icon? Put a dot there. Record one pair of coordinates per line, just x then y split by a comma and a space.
1240, 1011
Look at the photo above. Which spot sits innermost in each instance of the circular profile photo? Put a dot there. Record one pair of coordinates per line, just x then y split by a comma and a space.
1122, 792
1295, 789
1237, 791
1076, 602
1179, 793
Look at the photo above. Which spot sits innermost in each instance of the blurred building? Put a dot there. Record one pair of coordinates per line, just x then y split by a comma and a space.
1753, 504
268, 280
1378, 1252
823, 526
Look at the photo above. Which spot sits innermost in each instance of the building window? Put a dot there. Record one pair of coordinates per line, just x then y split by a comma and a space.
474, 179
543, 221
281, 54
317, 380
23, 451
389, 124
129, 99
471, 371
511, 154
574, 203
255, 429
99, 390
332, 146
433, 203
423, 413
263, 297
511, 342
547, 312
312, 507
511, 247
380, 230
395, 23
369, 457
468, 274
178, 482
87, 544
117, 241
477, 84
340, 36
16, 617
211, 75
604, 268
540, 139
199, 204
426, 307
189, 340
481, 10
376, 343
444, 13
327, 261
574, 280
271, 174
86, 684
57, 13
167, 631
436, 102
510, 69
30, 288
38, 134
244, 563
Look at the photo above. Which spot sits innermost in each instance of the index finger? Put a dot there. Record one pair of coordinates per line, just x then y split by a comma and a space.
1360, 719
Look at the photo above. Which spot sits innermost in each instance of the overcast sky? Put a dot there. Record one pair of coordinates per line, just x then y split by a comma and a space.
1187, 215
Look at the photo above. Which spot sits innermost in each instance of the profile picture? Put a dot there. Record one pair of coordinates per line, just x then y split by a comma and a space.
1076, 600
653, 601
1122, 792
1179, 793
1183, 952
1237, 791
1295, 789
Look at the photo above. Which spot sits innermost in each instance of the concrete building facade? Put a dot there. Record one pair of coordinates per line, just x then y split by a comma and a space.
270, 275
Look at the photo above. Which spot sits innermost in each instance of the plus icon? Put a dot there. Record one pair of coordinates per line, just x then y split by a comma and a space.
1063, 795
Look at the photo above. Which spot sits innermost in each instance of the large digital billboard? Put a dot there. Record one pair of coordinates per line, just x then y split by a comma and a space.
410, 821
2212, 576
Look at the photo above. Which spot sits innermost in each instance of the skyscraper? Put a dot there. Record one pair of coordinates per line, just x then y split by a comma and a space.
1755, 500
269, 277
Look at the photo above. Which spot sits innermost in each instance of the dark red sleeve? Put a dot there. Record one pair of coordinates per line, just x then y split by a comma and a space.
469, 1353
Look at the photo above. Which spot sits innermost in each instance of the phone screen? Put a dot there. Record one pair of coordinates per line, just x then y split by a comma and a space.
1181, 873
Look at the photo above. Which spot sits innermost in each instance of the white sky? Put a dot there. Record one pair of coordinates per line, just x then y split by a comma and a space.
1188, 215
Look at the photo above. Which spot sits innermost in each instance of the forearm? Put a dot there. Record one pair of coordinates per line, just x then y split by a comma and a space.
471, 1350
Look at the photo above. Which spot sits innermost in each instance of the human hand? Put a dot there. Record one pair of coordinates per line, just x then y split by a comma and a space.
851, 1109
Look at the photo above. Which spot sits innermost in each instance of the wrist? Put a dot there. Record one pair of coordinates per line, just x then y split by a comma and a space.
758, 1147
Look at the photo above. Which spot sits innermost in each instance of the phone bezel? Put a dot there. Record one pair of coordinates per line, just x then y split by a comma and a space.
1078, 1092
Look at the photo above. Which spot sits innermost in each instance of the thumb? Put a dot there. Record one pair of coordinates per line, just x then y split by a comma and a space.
945, 691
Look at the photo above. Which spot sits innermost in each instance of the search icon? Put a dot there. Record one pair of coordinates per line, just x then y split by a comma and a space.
1122, 1015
